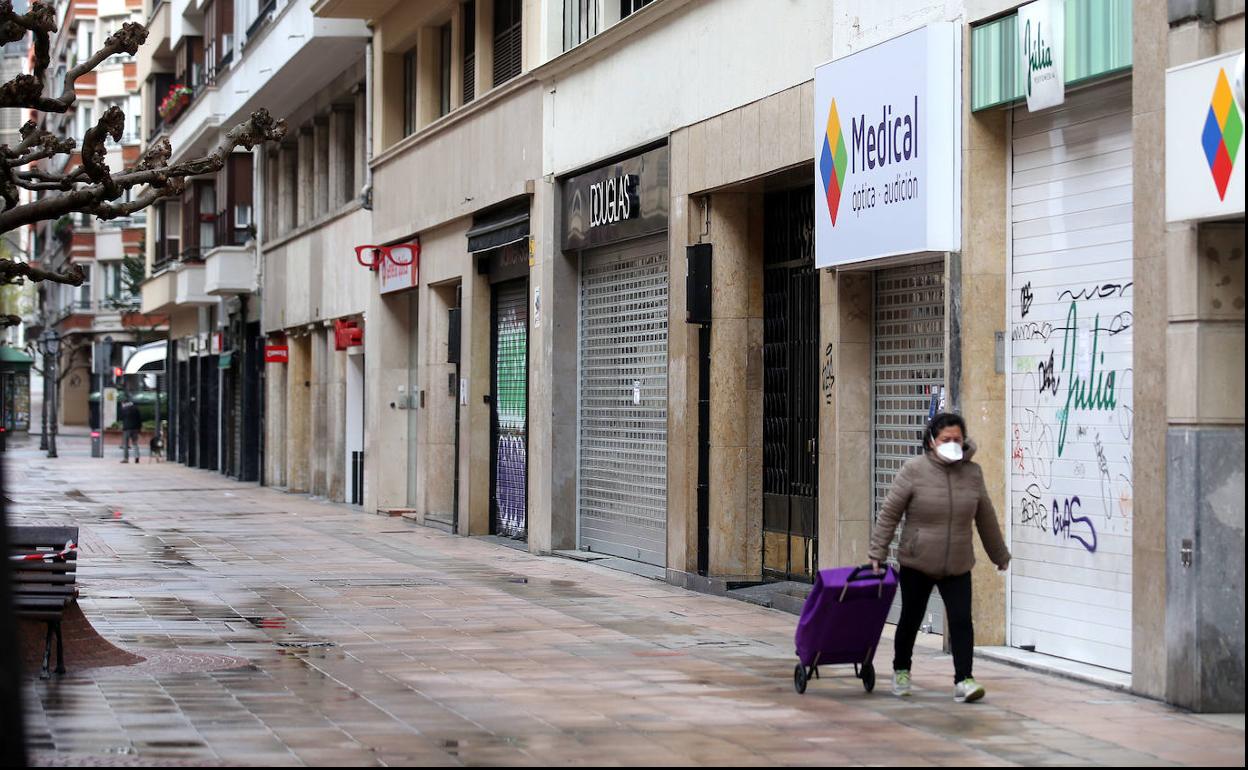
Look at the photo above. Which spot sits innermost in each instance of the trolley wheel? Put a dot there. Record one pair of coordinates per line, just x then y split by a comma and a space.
799, 678
868, 676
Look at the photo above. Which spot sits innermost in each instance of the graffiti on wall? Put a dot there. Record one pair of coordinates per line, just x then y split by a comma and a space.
1070, 448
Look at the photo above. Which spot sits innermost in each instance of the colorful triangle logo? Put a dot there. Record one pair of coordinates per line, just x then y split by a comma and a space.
832, 162
1222, 133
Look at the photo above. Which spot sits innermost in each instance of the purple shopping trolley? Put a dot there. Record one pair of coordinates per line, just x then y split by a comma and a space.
842, 621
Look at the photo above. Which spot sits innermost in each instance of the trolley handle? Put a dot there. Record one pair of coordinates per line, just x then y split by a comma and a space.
855, 575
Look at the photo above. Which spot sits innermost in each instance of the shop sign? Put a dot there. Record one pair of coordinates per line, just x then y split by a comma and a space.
1204, 140
400, 268
1041, 44
624, 200
277, 354
888, 150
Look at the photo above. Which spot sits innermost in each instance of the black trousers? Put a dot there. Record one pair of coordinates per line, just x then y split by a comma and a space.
916, 587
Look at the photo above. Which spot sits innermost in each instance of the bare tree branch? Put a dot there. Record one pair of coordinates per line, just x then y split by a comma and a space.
14, 272
259, 128
27, 90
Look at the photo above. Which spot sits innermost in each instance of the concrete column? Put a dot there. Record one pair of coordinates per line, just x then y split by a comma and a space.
360, 145
319, 443
845, 422
484, 55
298, 413
386, 434
304, 190
287, 182
340, 157
335, 421
320, 167
474, 436
684, 227
736, 234
272, 199
552, 380
275, 424
983, 312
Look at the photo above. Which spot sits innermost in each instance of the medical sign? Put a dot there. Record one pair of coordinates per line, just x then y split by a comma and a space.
888, 149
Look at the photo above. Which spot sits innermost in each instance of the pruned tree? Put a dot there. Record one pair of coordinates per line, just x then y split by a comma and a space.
90, 187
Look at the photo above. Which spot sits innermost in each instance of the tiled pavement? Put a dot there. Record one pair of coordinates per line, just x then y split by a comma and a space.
367, 640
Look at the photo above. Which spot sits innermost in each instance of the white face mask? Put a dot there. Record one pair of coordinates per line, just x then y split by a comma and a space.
951, 451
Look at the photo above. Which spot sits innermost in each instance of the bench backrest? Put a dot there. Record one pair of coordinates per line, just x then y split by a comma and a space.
53, 575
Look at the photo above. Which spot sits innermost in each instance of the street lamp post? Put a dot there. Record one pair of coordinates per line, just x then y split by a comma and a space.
50, 344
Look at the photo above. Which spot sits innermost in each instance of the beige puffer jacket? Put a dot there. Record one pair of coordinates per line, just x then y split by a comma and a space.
939, 500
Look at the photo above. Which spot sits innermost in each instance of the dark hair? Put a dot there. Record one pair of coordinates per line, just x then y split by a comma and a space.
939, 423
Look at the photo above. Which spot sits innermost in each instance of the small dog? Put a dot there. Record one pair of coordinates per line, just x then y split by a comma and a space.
156, 449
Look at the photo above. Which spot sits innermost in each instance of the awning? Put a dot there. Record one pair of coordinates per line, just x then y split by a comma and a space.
148, 358
490, 232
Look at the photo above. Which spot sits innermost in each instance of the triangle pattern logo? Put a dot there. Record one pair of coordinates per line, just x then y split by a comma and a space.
832, 162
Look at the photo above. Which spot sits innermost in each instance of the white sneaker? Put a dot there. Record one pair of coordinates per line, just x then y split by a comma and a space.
901, 684
967, 691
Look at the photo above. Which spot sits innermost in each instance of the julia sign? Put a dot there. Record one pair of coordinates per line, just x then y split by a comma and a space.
1041, 27
887, 149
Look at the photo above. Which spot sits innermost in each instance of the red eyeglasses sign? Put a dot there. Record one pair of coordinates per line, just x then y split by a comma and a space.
398, 264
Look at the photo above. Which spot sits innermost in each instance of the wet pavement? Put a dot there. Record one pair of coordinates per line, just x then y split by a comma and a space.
279, 630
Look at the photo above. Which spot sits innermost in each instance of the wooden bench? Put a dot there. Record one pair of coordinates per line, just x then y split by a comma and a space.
45, 564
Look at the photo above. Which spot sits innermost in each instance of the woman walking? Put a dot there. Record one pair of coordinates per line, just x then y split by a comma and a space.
940, 493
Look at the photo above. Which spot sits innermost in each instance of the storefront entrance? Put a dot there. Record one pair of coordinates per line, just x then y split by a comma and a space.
790, 387
622, 489
908, 366
509, 353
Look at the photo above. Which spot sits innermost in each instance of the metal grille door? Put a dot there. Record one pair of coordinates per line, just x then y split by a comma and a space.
511, 409
622, 488
790, 388
909, 374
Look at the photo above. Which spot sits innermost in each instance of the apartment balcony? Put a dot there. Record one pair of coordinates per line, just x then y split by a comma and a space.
190, 277
283, 61
159, 292
156, 55
230, 270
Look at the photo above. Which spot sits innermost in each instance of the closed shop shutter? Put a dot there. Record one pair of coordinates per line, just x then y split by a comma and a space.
511, 409
1070, 378
908, 371
622, 485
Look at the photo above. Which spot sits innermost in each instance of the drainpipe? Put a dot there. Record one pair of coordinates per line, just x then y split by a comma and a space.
367, 190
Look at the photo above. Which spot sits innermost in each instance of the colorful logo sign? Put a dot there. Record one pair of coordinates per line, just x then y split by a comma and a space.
832, 161
1223, 131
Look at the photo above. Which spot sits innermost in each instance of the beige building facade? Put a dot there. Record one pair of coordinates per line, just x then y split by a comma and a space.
594, 321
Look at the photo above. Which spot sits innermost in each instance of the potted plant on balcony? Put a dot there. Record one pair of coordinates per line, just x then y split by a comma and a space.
175, 101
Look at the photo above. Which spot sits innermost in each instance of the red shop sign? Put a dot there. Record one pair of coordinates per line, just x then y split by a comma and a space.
276, 354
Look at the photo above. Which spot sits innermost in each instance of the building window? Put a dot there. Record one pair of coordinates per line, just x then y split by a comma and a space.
507, 40
234, 200
218, 35
580, 22
632, 6
470, 50
83, 300
409, 92
444, 69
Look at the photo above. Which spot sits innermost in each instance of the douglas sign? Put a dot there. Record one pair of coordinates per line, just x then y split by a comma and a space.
887, 151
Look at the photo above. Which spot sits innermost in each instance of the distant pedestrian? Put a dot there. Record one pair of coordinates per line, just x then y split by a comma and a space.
940, 493
131, 424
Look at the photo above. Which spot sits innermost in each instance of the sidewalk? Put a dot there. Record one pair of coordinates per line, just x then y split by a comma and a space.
278, 630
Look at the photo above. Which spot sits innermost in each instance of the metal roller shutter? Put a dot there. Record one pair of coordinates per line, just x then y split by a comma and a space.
1071, 378
909, 369
622, 480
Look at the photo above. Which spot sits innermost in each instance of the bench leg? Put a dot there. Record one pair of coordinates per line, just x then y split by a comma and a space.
60, 650
47, 653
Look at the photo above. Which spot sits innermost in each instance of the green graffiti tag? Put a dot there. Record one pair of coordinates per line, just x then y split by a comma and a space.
1096, 392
